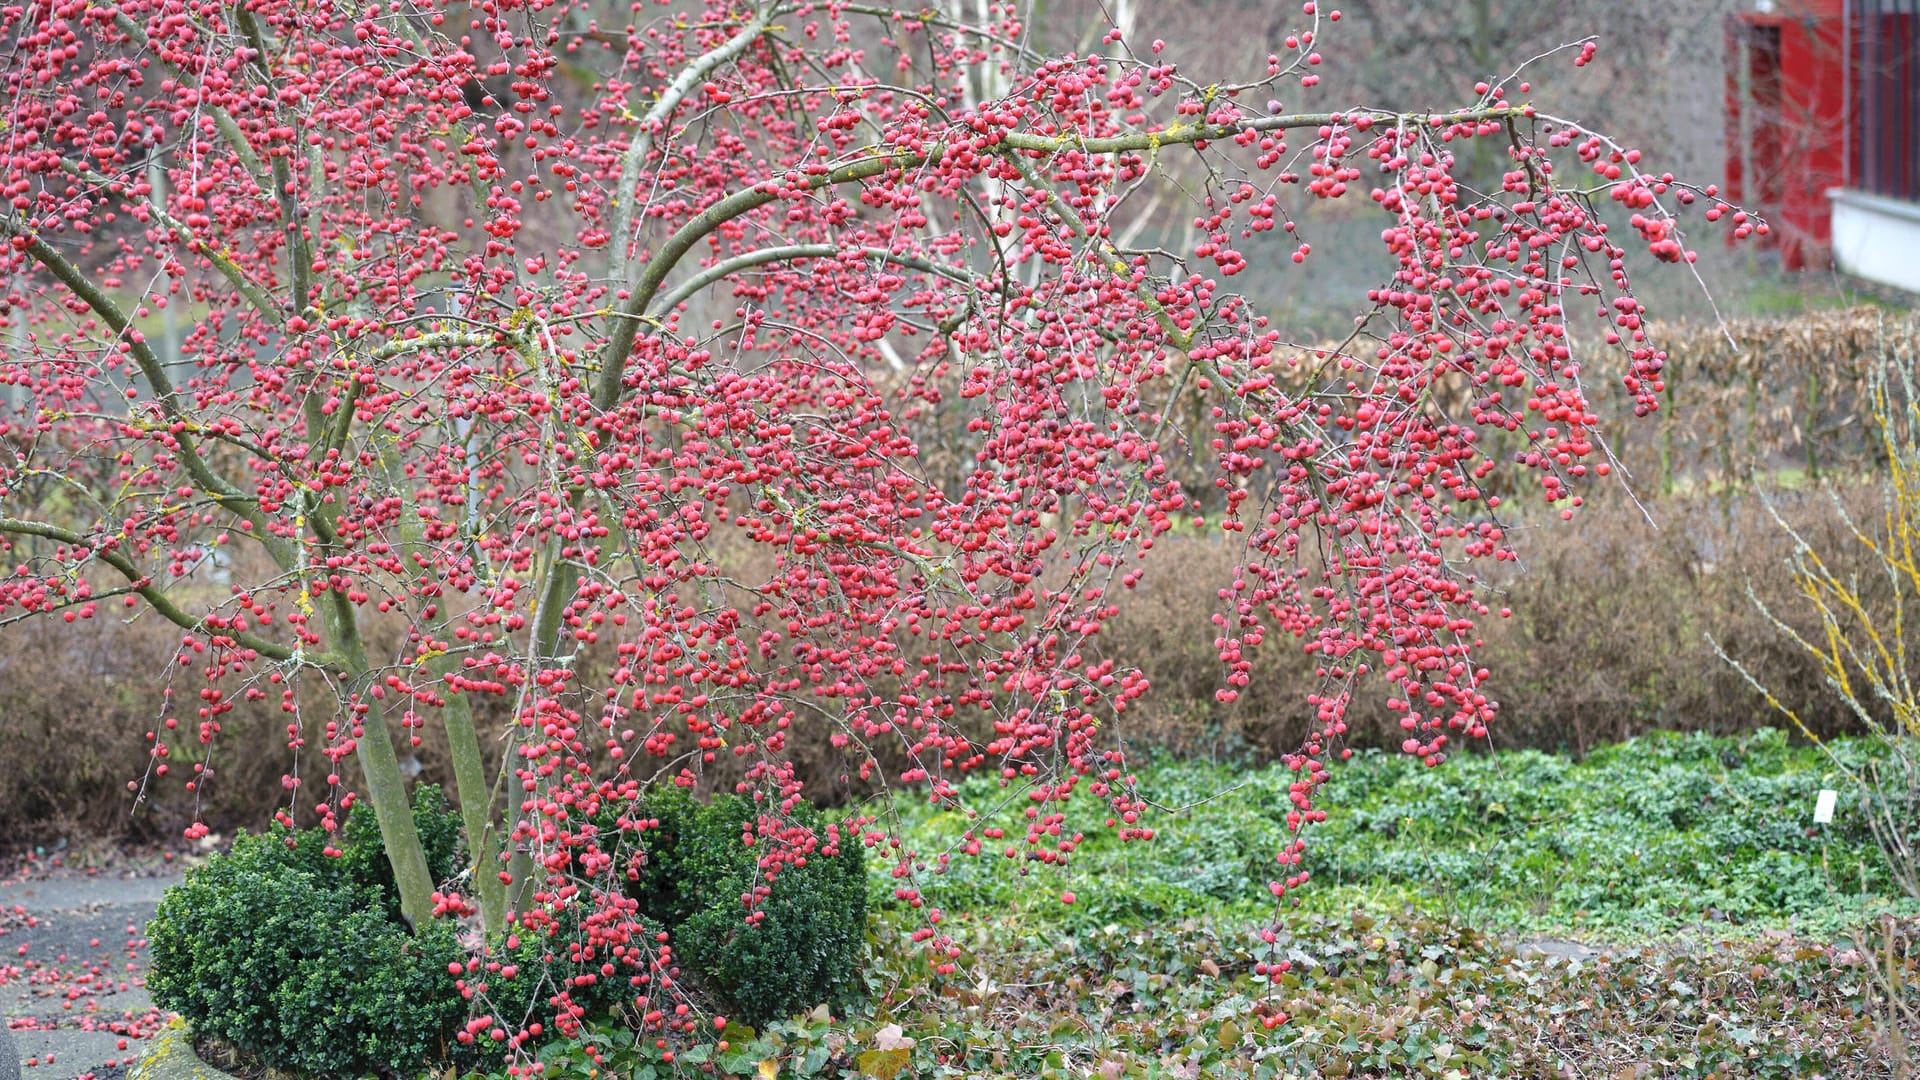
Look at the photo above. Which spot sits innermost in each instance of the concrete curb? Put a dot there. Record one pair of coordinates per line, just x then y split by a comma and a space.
171, 1057
9, 1053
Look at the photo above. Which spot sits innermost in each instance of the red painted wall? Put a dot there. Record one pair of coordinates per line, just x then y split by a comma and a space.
1786, 128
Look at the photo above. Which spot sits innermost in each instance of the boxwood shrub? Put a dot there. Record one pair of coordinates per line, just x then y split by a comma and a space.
695, 871
300, 959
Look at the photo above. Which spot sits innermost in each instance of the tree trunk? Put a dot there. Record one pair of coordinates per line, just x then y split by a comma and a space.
386, 788
476, 809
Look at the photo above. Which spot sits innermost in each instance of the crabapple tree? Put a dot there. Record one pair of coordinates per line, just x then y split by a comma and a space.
589, 354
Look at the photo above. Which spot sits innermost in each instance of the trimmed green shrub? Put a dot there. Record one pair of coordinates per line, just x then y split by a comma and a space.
300, 959
362, 862
693, 881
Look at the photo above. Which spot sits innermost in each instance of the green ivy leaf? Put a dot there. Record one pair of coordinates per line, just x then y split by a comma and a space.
884, 1064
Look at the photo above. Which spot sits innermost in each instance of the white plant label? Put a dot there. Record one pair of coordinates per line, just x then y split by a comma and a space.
1823, 806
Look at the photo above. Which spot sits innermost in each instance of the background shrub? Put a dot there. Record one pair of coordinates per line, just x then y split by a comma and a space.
1607, 640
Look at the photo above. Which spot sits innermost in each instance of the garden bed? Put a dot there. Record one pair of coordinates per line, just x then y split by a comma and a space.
1662, 908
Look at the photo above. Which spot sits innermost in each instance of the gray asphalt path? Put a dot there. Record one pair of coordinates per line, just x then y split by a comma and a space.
72, 971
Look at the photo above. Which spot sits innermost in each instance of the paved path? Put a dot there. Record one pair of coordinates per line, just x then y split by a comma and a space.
72, 970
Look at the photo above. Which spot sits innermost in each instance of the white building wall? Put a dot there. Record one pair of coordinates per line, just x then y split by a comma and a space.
1877, 238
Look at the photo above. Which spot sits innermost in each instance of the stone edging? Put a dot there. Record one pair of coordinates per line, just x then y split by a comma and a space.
171, 1057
